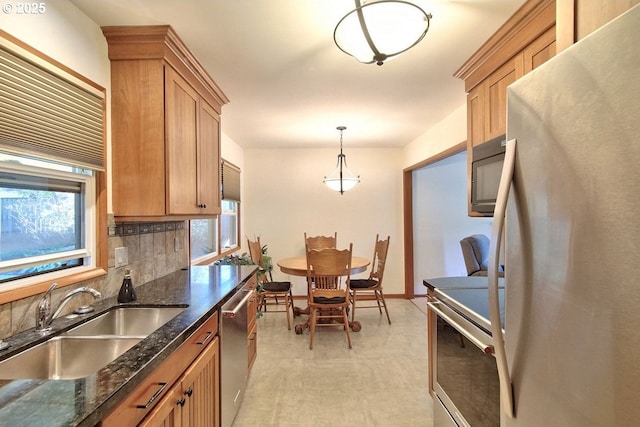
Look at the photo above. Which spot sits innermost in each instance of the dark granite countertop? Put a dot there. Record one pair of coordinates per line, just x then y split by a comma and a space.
85, 401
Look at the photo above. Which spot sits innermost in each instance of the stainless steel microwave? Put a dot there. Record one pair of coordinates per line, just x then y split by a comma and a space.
486, 167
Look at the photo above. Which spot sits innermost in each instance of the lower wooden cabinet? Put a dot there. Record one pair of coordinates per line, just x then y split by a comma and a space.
191, 373
194, 400
252, 329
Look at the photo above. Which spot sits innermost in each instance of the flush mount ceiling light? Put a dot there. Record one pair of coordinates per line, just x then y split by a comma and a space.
341, 179
377, 31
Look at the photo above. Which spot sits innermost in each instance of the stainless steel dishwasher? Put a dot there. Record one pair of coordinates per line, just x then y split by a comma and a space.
234, 355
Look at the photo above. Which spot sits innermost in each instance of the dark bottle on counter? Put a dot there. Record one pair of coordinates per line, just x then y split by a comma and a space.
127, 293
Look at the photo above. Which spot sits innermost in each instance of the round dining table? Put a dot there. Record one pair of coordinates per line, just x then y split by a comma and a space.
297, 266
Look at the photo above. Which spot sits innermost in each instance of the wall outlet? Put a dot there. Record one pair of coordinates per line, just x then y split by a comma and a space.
121, 257
176, 244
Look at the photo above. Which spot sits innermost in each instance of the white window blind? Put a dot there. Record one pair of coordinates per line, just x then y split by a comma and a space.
48, 112
230, 182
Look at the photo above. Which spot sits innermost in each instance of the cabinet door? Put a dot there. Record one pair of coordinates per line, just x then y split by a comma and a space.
200, 388
181, 116
167, 412
208, 160
496, 96
540, 50
475, 116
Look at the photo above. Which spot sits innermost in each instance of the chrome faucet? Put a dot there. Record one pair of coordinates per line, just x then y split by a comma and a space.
43, 310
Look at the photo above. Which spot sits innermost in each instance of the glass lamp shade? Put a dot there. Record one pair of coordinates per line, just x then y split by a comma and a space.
335, 185
375, 32
341, 179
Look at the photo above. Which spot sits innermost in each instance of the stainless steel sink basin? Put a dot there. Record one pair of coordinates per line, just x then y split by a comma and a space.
127, 321
87, 348
65, 357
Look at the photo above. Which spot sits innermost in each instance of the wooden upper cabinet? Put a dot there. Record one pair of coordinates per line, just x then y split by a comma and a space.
525, 41
579, 18
165, 127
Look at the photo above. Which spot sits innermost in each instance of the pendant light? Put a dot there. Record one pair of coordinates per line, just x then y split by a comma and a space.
377, 31
341, 179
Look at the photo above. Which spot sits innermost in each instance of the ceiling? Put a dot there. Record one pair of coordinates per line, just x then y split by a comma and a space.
290, 86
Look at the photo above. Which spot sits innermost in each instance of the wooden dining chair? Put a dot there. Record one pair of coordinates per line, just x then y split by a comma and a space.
328, 273
361, 290
320, 242
273, 294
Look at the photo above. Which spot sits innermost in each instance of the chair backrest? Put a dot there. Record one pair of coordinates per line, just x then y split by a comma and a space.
379, 259
255, 251
329, 269
475, 250
320, 242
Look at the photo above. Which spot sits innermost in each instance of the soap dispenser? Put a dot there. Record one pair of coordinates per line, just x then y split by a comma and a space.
127, 293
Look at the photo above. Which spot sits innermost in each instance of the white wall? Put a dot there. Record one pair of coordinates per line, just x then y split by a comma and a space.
285, 198
445, 134
440, 219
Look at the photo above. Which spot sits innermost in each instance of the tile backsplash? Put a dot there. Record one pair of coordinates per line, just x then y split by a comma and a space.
154, 250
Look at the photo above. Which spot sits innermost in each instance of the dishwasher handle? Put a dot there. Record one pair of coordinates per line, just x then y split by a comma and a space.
231, 308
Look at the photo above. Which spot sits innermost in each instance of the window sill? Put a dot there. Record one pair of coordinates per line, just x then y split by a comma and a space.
40, 287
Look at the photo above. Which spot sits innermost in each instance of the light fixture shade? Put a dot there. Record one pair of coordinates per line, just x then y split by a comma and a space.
347, 183
341, 179
375, 32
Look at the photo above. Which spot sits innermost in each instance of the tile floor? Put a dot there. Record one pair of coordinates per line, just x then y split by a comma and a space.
381, 381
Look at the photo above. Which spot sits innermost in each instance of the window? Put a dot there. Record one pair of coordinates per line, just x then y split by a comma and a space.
53, 210
229, 225
211, 238
45, 221
203, 238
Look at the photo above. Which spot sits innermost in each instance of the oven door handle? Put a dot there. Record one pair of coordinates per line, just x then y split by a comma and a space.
466, 330
506, 387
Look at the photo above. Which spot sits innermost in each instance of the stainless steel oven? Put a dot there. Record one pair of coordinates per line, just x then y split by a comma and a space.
465, 374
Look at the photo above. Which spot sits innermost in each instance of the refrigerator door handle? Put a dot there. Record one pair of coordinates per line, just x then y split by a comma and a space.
506, 389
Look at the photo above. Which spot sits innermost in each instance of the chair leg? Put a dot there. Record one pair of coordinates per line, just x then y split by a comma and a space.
377, 294
346, 325
312, 327
384, 303
288, 303
293, 311
353, 306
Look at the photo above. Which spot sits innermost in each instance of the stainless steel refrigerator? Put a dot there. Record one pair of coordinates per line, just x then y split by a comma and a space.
571, 354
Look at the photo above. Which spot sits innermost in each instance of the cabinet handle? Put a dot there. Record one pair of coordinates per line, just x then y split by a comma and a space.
181, 402
189, 392
153, 397
206, 339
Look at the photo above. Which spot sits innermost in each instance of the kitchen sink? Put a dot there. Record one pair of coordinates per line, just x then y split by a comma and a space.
89, 347
65, 357
127, 321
